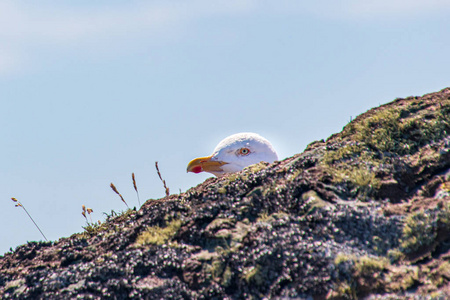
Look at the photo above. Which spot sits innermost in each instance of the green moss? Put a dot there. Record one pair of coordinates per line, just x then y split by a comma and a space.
220, 272
402, 278
398, 130
221, 223
18, 286
295, 174
364, 142
232, 178
444, 216
343, 290
345, 152
437, 295
409, 278
418, 231
380, 131
256, 192
313, 202
444, 269
421, 228
361, 177
353, 164
342, 258
254, 275
273, 190
121, 215
216, 269
156, 235
362, 274
222, 227
93, 229
366, 266
227, 277
253, 169
445, 186
265, 217
395, 255
227, 181
222, 190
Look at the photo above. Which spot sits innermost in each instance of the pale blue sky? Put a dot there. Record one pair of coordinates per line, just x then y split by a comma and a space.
93, 91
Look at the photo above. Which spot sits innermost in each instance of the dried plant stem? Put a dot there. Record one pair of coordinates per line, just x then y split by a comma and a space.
113, 187
83, 212
89, 210
135, 188
35, 223
163, 181
21, 205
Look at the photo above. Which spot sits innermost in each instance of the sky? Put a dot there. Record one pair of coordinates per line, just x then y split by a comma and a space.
91, 91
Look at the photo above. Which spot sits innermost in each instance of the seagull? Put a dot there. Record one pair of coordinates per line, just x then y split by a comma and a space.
234, 153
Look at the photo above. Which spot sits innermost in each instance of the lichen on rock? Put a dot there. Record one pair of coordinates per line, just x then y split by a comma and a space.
364, 214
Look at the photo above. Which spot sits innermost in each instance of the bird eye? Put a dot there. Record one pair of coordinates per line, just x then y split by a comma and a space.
244, 151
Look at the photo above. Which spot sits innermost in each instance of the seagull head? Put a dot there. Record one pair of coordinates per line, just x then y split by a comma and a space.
234, 153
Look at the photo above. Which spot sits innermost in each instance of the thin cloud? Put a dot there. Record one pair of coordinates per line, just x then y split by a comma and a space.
369, 10
28, 28
65, 24
397, 8
357, 10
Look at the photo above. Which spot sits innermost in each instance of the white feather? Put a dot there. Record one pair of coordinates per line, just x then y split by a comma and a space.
227, 151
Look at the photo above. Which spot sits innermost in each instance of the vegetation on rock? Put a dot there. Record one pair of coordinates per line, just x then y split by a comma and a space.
365, 213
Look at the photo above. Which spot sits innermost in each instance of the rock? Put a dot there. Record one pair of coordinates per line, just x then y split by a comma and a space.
364, 214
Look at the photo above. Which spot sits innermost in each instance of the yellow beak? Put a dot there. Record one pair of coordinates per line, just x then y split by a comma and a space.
205, 164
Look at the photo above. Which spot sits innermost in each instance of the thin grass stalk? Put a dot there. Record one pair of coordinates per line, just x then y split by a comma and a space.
21, 205
163, 181
89, 211
113, 187
135, 188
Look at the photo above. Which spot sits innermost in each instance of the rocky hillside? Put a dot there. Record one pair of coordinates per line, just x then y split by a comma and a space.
365, 214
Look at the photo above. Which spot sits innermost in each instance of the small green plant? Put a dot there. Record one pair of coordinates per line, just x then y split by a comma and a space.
92, 228
18, 204
85, 210
156, 235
